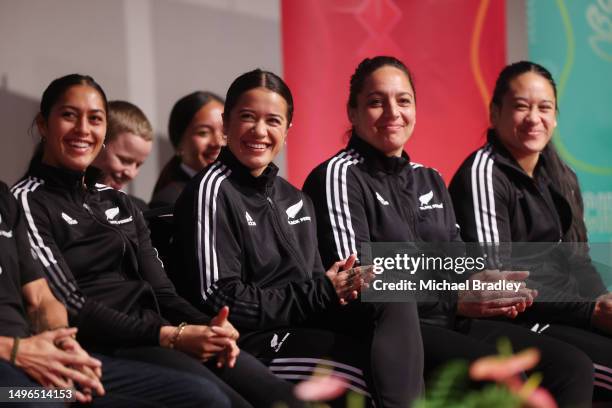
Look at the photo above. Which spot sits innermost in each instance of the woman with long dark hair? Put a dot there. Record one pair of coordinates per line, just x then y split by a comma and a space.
371, 192
195, 129
516, 189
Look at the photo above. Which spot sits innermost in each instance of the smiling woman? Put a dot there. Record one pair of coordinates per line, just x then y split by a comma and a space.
246, 238
72, 130
195, 129
129, 140
516, 188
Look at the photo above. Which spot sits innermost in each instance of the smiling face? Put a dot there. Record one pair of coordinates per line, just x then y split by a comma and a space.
203, 138
385, 113
75, 129
526, 119
256, 128
120, 161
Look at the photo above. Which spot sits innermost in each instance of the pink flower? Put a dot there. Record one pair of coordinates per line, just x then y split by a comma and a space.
320, 388
507, 370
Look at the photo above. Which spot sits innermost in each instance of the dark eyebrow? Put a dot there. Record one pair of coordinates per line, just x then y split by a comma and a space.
377, 93
520, 98
77, 109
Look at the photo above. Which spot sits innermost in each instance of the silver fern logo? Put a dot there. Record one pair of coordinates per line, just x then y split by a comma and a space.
293, 211
425, 199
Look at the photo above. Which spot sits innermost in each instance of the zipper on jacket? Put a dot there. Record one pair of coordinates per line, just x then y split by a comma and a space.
553, 209
88, 209
281, 232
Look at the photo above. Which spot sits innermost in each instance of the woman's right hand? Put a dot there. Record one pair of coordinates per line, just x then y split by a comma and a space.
346, 280
602, 314
53, 367
199, 341
489, 303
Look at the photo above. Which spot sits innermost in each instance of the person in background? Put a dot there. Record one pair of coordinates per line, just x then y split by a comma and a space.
94, 247
371, 192
37, 349
128, 143
516, 189
195, 129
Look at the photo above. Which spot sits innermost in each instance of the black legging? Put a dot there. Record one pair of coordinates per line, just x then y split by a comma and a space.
249, 384
567, 372
597, 345
393, 333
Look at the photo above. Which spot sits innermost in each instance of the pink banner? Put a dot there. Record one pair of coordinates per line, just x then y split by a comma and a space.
455, 48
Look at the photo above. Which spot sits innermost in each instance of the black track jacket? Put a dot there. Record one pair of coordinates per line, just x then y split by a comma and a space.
249, 243
361, 195
497, 202
98, 259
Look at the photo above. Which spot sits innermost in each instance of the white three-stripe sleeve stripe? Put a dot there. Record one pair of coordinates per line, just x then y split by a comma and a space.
475, 196
483, 200
66, 288
337, 204
603, 373
206, 210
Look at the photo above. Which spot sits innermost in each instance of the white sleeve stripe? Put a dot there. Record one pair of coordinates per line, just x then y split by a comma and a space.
44, 253
483, 197
337, 203
345, 202
207, 253
492, 199
475, 198
330, 207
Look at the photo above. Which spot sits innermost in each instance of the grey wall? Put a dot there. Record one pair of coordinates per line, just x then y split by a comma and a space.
150, 52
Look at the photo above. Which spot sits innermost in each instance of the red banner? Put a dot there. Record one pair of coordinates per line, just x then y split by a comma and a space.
455, 49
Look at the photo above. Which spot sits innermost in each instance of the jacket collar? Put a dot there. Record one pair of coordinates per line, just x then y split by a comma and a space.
374, 160
65, 178
243, 175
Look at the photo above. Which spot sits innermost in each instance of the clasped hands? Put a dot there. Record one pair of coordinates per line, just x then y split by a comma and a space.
205, 342
489, 303
56, 360
349, 280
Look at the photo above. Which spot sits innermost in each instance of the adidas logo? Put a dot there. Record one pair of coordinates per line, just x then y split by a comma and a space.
275, 344
537, 329
69, 219
425, 199
381, 199
249, 219
293, 211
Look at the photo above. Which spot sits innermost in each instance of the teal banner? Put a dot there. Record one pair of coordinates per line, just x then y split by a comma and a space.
573, 39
